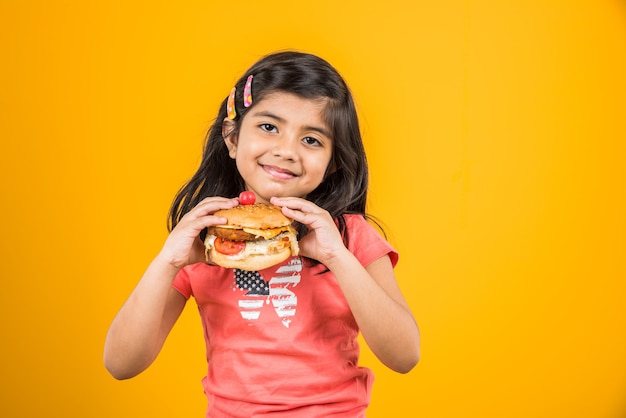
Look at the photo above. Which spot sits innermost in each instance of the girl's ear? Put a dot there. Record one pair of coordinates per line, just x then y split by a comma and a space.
230, 136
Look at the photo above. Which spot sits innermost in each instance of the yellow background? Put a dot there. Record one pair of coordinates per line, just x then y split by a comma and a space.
496, 133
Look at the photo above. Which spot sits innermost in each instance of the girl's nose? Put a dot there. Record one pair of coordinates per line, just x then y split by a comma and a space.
286, 148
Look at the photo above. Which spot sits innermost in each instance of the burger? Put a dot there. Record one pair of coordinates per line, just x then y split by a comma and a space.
254, 237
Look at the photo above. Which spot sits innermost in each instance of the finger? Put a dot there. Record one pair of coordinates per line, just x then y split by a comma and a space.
218, 201
201, 222
212, 204
310, 219
296, 203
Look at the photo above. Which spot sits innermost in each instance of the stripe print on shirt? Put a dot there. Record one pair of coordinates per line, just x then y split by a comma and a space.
278, 290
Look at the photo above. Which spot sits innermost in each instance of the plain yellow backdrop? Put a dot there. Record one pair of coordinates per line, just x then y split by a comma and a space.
496, 134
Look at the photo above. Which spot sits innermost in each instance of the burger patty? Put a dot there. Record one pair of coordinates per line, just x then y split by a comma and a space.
232, 234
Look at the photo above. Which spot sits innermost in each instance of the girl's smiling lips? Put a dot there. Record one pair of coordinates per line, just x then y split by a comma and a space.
277, 172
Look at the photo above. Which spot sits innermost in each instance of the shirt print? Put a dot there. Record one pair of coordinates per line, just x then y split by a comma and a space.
278, 290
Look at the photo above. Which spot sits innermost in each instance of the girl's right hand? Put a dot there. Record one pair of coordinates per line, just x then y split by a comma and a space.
183, 246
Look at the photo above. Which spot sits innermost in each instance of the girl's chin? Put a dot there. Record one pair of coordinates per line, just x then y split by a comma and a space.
260, 199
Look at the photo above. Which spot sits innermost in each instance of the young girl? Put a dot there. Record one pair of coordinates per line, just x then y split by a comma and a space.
281, 341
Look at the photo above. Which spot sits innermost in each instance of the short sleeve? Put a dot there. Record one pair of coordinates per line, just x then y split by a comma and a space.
366, 243
182, 282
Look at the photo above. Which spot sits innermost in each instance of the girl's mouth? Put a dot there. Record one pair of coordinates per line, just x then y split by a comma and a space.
278, 172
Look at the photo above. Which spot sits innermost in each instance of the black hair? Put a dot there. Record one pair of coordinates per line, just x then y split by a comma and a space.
344, 188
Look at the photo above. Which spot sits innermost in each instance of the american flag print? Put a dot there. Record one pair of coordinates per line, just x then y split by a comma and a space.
278, 291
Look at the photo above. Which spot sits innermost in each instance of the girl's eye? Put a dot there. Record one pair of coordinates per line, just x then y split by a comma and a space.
309, 140
268, 127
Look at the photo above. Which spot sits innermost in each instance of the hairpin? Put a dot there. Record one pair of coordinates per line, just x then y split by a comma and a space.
247, 93
230, 104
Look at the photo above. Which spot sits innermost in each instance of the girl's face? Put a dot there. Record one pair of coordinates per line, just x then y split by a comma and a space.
283, 146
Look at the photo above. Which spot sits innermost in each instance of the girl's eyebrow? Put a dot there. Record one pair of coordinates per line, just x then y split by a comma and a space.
277, 118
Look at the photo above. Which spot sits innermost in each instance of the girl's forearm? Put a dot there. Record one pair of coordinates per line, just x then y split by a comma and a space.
384, 319
137, 333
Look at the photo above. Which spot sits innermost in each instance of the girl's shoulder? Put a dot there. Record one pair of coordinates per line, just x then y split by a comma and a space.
366, 239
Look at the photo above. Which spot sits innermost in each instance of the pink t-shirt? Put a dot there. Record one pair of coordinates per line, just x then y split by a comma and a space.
282, 341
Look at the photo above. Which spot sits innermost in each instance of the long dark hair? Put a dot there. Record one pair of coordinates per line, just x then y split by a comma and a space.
344, 188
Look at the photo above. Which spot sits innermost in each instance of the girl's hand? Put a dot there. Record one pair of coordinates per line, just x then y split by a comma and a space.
323, 241
183, 246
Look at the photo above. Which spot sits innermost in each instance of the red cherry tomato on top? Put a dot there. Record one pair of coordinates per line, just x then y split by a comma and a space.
228, 247
247, 198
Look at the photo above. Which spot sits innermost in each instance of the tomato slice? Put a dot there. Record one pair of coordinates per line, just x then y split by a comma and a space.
228, 247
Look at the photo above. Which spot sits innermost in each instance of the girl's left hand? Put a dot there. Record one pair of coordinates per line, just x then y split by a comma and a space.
323, 241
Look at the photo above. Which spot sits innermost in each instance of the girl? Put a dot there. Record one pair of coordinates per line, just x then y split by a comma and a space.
282, 341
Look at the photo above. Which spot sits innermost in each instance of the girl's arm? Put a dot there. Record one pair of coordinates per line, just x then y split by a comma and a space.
372, 293
139, 330
379, 308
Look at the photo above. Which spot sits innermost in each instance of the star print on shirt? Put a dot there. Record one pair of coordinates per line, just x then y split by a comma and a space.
251, 281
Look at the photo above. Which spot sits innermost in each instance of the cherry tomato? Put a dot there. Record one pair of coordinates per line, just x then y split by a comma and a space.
228, 247
247, 198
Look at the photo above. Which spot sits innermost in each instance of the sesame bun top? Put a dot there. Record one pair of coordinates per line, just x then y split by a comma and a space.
257, 216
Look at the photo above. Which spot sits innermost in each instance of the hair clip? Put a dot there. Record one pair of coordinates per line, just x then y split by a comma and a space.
230, 104
247, 93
